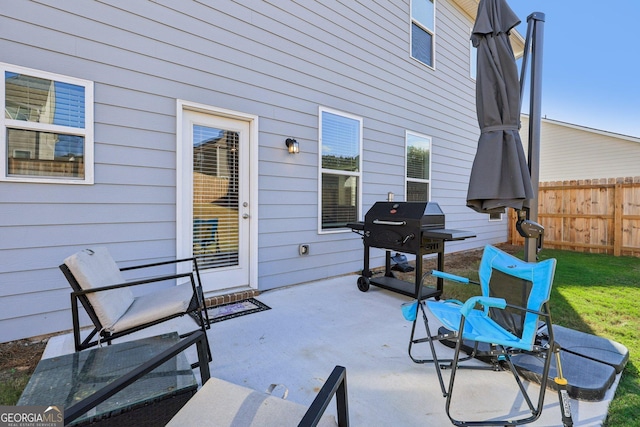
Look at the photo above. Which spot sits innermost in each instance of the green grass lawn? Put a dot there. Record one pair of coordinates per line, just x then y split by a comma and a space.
13, 382
598, 294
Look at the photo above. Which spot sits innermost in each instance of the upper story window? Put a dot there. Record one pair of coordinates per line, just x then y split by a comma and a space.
340, 169
47, 127
418, 167
423, 31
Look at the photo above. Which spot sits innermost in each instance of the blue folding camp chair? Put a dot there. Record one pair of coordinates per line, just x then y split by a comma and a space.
502, 322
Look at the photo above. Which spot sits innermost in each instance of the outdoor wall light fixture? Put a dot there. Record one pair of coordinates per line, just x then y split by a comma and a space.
292, 145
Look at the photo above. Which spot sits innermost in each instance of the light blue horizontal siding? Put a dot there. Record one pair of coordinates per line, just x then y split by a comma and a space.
277, 60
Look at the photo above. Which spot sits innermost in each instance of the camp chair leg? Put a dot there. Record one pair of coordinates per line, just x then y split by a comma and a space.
440, 364
504, 357
523, 391
444, 363
454, 369
429, 338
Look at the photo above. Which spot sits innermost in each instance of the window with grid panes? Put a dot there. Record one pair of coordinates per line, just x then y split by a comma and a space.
340, 169
47, 133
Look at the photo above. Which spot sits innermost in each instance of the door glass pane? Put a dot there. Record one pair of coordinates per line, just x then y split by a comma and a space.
215, 197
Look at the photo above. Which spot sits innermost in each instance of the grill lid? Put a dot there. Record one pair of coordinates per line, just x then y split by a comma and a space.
412, 213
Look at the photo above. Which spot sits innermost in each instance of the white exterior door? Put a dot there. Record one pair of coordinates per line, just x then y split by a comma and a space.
214, 206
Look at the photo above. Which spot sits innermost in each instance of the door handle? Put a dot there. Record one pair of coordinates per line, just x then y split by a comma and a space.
245, 216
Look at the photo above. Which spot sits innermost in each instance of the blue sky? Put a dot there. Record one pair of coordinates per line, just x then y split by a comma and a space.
591, 62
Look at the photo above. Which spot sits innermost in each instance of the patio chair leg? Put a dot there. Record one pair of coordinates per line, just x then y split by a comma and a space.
428, 338
201, 322
454, 369
523, 391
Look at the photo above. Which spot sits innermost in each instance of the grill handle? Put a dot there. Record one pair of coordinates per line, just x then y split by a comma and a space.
394, 223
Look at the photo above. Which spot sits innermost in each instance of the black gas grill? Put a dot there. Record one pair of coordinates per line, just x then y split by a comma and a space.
416, 228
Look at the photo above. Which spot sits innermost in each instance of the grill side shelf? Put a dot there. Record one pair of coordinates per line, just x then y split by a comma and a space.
447, 234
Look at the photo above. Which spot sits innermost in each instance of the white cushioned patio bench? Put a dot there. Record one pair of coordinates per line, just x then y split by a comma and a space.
220, 403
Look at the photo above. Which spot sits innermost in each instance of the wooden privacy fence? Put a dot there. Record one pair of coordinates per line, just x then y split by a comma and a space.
592, 215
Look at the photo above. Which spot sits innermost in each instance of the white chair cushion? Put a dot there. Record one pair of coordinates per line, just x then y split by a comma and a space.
220, 403
155, 305
95, 268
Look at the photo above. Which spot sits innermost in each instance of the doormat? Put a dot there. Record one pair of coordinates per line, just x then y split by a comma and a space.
235, 309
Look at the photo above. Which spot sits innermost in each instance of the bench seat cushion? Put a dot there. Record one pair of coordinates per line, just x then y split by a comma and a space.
220, 403
155, 305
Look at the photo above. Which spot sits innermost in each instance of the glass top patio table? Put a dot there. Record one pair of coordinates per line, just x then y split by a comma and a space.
68, 379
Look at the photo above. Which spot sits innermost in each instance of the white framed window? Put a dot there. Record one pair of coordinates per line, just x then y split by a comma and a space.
495, 217
340, 170
47, 127
418, 167
423, 29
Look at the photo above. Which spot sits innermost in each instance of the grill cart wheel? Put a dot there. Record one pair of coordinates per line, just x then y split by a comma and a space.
363, 283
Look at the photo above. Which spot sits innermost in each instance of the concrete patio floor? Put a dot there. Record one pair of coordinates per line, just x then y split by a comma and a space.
312, 327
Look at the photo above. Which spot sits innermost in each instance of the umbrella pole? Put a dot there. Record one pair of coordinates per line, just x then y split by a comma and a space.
535, 36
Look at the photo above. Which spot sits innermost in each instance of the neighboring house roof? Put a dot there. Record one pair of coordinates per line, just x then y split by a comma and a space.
571, 152
589, 129
470, 7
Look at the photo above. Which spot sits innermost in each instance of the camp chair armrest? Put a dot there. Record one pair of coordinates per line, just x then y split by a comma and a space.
449, 276
484, 301
528, 310
136, 283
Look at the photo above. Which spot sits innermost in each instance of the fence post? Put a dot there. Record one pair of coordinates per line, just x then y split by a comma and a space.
617, 218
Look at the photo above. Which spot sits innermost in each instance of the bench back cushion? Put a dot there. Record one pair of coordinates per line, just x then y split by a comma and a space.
95, 268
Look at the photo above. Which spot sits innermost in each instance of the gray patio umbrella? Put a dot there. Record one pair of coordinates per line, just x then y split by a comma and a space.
499, 175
